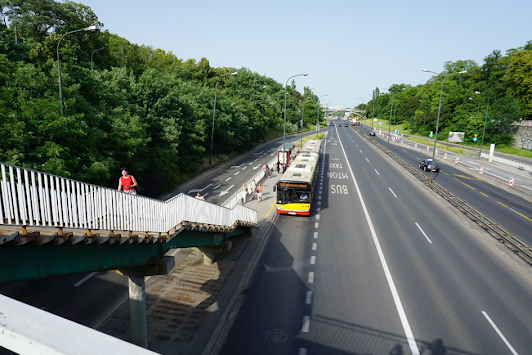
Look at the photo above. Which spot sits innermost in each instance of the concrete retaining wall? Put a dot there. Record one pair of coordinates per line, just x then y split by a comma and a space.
523, 137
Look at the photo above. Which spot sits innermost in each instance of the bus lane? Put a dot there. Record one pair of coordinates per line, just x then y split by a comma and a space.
353, 309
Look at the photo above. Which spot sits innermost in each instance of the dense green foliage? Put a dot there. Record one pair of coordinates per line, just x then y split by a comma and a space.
140, 107
499, 93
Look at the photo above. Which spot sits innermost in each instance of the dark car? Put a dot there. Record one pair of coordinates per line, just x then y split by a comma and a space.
427, 165
371, 133
332, 124
346, 124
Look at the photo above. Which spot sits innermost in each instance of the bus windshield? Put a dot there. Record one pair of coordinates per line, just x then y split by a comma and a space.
291, 195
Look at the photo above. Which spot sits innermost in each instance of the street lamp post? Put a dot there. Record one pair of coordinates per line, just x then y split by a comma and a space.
303, 116
390, 122
92, 29
214, 111
96, 50
318, 116
284, 129
484, 129
476, 117
438, 119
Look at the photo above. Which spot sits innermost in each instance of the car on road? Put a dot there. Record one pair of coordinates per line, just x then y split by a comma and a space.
339, 125
371, 133
427, 165
332, 124
346, 124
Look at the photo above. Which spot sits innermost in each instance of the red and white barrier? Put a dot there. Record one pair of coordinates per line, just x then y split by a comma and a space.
415, 145
428, 149
456, 161
512, 182
481, 171
436, 151
445, 156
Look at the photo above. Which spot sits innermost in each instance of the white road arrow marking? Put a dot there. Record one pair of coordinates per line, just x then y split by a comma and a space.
199, 190
226, 191
237, 166
256, 167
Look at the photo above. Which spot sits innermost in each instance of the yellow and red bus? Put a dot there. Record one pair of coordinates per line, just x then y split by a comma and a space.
295, 189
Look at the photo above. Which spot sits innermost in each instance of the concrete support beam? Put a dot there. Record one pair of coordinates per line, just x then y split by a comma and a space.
210, 251
137, 304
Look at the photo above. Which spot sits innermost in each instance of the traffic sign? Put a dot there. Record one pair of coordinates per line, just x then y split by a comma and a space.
430, 135
475, 139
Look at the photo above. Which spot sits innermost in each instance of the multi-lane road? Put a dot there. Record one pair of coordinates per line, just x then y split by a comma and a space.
382, 266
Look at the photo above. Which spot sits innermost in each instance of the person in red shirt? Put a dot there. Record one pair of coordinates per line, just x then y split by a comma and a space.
127, 182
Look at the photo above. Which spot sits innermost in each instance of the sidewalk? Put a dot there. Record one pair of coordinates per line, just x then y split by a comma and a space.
187, 308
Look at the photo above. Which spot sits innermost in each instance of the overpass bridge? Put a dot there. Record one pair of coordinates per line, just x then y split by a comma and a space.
54, 226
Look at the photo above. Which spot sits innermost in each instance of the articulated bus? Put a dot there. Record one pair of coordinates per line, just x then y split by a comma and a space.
295, 188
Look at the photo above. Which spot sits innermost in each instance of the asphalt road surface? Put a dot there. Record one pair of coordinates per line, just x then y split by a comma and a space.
376, 269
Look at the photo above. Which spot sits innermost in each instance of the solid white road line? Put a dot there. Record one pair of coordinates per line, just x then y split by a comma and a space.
85, 279
398, 304
500, 333
393, 192
423, 233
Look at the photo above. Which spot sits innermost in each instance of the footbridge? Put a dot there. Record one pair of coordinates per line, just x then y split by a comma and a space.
54, 226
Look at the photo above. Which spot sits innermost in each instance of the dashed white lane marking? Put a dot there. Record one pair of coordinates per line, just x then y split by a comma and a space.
319, 203
85, 279
423, 233
360, 151
228, 179
314, 246
217, 186
367, 160
310, 277
308, 298
395, 294
317, 216
500, 333
393, 192
312, 260
315, 235
244, 168
377, 172
316, 225
306, 324
302, 351
205, 195
318, 209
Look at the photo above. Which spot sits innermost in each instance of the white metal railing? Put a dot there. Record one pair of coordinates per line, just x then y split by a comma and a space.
233, 199
33, 198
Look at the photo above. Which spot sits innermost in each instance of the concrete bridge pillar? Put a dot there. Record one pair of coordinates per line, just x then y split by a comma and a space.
210, 251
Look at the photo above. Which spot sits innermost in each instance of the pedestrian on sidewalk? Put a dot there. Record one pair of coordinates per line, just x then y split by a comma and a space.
278, 167
259, 193
253, 187
243, 193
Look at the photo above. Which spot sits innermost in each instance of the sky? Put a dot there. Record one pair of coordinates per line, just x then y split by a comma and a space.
348, 48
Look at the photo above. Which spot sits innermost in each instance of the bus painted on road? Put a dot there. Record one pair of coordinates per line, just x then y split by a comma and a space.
295, 189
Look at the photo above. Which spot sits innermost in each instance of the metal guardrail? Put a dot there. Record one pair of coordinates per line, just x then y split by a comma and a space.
233, 199
493, 228
515, 163
33, 198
